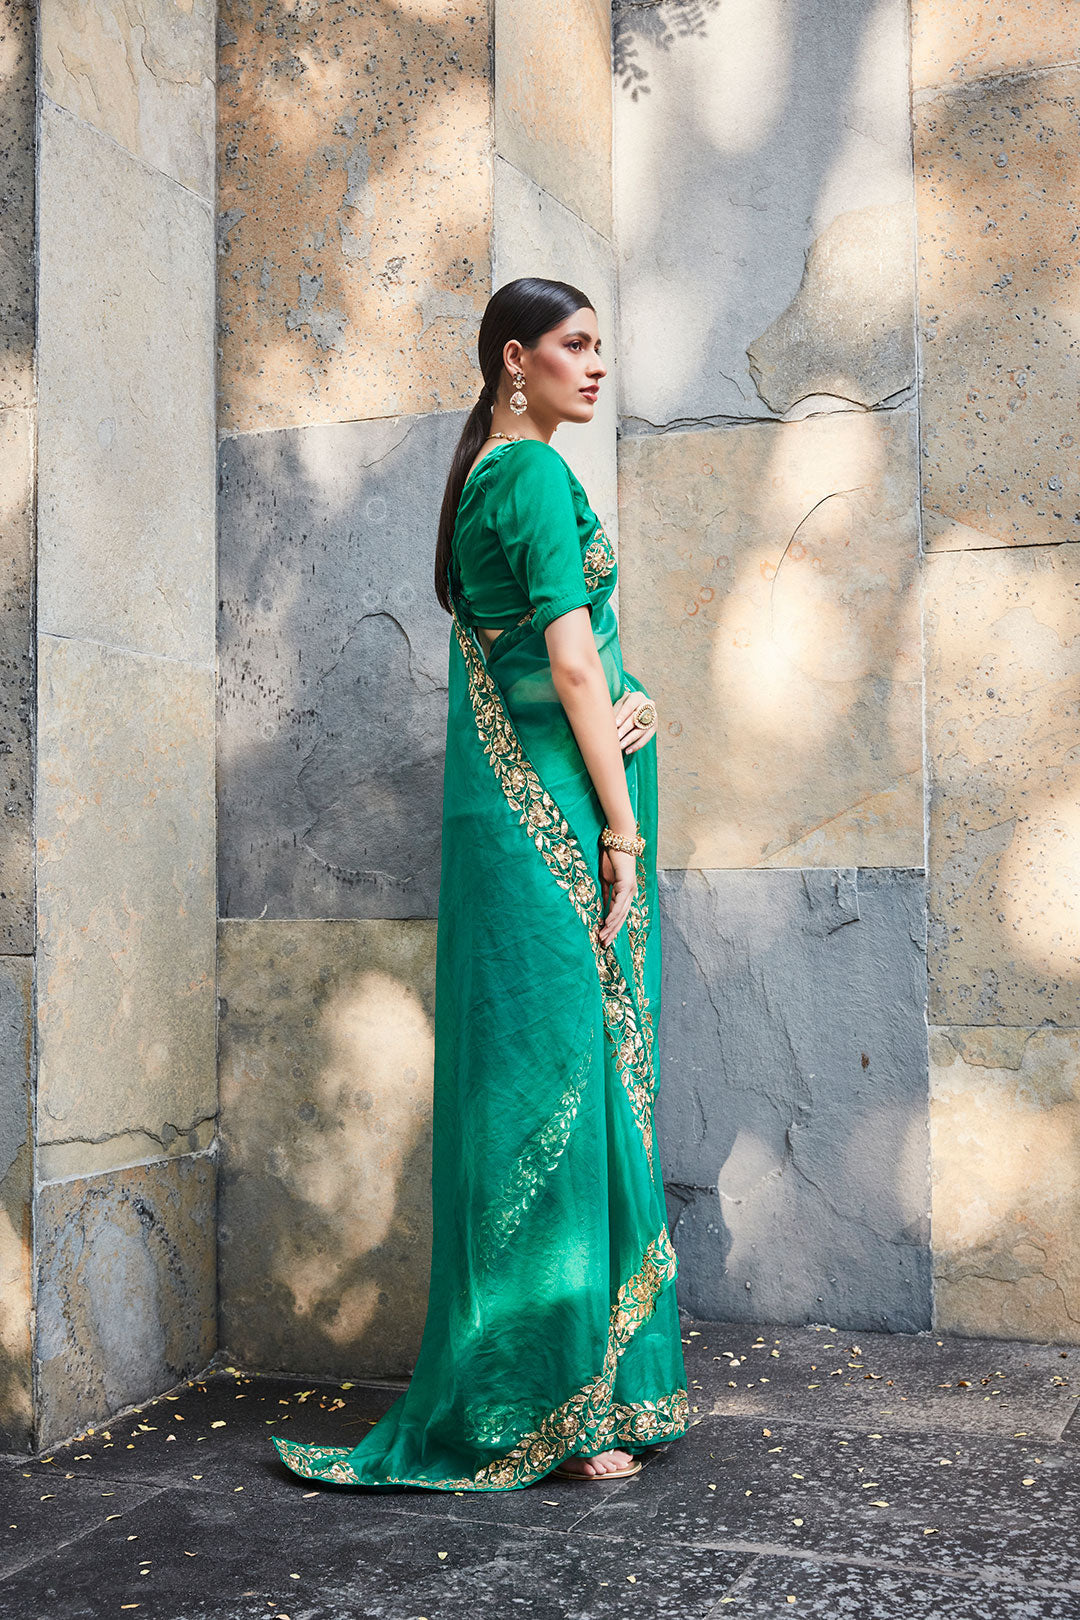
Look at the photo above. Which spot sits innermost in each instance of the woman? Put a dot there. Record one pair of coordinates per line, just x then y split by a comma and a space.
552, 1336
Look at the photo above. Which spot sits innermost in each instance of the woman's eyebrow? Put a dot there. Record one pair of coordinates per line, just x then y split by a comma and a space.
586, 335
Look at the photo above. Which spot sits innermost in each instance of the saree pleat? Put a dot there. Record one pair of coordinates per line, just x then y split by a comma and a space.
552, 1326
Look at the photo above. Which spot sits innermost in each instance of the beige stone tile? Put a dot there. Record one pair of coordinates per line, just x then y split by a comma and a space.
126, 901
141, 71
533, 229
998, 308
126, 460
553, 99
848, 335
951, 43
355, 210
770, 603
17, 929
327, 1052
16, 1195
126, 1301
17, 159
1002, 702
1005, 1153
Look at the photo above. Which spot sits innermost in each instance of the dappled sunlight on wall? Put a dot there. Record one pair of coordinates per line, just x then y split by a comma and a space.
1003, 677
1005, 1127
354, 206
770, 589
327, 1055
15, 1384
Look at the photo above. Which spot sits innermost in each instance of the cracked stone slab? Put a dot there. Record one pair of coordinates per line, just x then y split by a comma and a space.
16, 1198
17, 690
812, 1586
761, 188
770, 603
371, 1559
355, 210
126, 414
998, 351
333, 668
73, 1508
848, 335
1003, 662
552, 90
1005, 1136
844, 1492
142, 74
887, 1382
126, 1288
532, 227
951, 44
125, 855
793, 1099
326, 1039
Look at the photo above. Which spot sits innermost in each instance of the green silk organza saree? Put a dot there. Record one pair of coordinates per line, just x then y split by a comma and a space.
552, 1326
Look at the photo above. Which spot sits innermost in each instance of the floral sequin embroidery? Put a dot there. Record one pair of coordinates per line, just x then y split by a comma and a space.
598, 559
534, 1164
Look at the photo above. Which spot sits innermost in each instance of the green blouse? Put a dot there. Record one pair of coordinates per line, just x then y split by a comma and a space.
523, 522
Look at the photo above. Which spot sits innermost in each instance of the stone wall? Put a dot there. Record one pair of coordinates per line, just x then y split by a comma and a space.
381, 173
768, 491
996, 123
846, 489
18, 425
108, 1056
831, 251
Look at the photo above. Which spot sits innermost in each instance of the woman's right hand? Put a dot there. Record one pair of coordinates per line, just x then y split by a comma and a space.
618, 885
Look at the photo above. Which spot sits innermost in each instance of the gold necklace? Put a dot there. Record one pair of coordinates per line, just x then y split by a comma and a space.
506, 435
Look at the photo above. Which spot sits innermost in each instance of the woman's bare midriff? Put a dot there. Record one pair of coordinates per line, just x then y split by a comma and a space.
484, 632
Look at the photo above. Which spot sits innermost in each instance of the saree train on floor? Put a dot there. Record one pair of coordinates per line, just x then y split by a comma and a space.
552, 1326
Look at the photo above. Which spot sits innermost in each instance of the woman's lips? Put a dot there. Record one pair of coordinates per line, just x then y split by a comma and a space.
590, 393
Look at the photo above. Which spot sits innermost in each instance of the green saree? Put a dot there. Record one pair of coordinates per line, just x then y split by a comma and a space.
552, 1326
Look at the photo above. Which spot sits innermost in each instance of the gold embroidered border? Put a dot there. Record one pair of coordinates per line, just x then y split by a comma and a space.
589, 1410
551, 833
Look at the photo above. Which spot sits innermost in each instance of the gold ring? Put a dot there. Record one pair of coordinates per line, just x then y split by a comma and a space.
645, 715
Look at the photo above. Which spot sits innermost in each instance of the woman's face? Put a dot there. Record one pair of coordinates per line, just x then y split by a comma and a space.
563, 372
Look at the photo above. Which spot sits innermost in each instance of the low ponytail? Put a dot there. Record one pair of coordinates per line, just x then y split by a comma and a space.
523, 310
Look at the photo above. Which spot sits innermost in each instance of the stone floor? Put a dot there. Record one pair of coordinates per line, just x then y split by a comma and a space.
826, 1473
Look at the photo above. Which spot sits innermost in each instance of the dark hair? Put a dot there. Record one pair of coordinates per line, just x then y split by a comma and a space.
523, 310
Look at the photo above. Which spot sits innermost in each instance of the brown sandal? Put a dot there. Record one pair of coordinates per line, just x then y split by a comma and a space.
611, 1473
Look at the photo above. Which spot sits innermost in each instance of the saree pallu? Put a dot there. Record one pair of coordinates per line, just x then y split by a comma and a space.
552, 1326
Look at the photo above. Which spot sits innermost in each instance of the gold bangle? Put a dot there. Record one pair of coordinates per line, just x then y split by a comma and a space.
613, 840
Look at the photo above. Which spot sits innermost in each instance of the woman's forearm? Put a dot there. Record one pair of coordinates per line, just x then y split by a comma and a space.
584, 695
